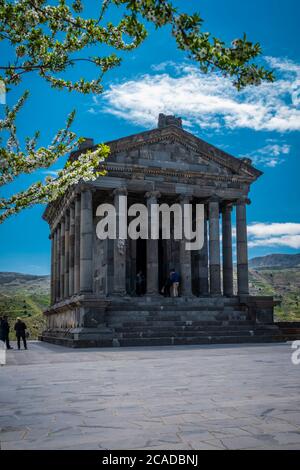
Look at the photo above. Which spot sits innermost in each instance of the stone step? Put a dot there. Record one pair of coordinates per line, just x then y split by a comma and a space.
189, 324
226, 338
195, 328
168, 341
174, 306
180, 323
116, 322
171, 313
189, 334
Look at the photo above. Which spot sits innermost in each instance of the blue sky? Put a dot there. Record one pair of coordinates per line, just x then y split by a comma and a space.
262, 123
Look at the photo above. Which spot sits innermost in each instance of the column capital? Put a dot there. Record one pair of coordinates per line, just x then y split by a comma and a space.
214, 198
185, 198
243, 201
227, 206
83, 186
121, 191
152, 194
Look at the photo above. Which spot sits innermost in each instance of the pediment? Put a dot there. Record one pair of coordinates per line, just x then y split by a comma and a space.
175, 148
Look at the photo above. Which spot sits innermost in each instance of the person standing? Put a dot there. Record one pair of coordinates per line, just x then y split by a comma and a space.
5, 331
174, 277
140, 282
20, 329
1, 331
166, 290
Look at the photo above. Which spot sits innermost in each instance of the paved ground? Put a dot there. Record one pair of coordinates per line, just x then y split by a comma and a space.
189, 397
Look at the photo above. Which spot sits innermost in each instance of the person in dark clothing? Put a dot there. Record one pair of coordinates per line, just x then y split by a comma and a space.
1, 332
174, 278
5, 331
140, 283
20, 329
166, 290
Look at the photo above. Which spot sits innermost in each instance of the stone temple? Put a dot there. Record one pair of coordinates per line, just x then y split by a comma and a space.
93, 281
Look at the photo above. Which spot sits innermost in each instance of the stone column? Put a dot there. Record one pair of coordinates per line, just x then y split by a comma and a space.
185, 257
242, 246
86, 241
203, 261
57, 276
71, 249
227, 250
62, 258
152, 249
119, 279
77, 245
54, 241
52, 283
66, 267
214, 247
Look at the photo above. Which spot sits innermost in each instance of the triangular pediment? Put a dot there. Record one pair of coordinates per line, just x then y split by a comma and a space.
173, 147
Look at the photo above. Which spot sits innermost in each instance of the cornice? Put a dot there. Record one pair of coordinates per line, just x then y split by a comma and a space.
183, 173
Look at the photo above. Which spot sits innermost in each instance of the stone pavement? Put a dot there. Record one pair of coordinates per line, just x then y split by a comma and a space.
184, 397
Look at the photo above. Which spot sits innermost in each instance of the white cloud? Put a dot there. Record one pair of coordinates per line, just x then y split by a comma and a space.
207, 101
291, 241
270, 155
163, 65
274, 234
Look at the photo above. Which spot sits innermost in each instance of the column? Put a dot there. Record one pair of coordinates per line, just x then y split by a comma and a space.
54, 241
77, 245
214, 247
66, 266
152, 249
119, 277
227, 250
242, 247
86, 241
62, 258
71, 249
52, 283
58, 246
185, 256
203, 261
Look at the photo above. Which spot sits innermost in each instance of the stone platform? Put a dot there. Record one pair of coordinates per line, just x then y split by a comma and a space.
184, 397
153, 321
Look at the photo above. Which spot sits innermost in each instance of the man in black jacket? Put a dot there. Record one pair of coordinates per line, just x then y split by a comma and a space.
5, 331
20, 329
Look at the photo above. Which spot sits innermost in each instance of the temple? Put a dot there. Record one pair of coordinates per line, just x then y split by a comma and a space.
94, 299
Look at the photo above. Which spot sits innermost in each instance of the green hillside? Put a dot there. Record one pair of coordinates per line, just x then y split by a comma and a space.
25, 296
284, 284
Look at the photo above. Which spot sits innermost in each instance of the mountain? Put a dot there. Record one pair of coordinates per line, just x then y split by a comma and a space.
275, 261
12, 281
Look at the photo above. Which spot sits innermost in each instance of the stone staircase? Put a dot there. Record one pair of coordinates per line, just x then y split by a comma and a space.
145, 322
177, 322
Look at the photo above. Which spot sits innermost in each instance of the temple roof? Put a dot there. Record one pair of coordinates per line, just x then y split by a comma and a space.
170, 130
